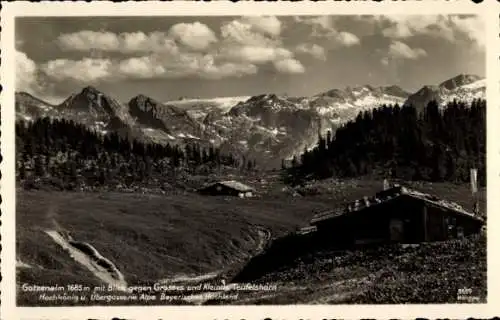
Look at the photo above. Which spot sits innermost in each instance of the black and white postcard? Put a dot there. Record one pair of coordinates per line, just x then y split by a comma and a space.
189, 157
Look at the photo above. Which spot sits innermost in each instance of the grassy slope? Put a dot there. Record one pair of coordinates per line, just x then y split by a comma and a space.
432, 272
151, 237
148, 237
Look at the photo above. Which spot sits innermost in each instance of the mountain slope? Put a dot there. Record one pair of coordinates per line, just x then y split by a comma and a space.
173, 121
200, 108
344, 105
462, 87
97, 111
267, 126
28, 107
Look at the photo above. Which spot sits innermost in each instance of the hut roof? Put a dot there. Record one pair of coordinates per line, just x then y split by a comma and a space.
233, 185
389, 195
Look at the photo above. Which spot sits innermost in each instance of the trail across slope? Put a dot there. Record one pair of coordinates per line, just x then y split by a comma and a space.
90, 258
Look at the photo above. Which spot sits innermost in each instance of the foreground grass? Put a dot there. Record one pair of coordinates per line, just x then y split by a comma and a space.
425, 273
152, 237
148, 237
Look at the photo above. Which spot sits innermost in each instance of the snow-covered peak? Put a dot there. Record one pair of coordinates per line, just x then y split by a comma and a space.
462, 87
459, 81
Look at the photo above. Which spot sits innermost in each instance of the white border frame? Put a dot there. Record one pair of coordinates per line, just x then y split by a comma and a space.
190, 8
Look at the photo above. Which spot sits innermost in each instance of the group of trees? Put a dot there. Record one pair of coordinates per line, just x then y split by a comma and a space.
75, 156
434, 144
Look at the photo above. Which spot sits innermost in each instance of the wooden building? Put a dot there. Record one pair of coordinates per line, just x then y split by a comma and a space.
228, 188
397, 214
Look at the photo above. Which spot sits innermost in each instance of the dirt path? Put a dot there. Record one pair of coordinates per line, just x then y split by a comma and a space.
91, 259
21, 264
264, 238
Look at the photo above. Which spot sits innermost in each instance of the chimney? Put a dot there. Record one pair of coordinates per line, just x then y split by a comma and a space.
473, 187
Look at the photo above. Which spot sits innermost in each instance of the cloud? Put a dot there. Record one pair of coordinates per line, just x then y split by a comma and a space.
130, 42
196, 36
347, 39
29, 78
154, 66
141, 67
202, 66
256, 40
126, 42
289, 66
240, 32
85, 70
26, 73
324, 27
254, 54
185, 50
269, 25
404, 26
86, 40
473, 27
398, 49
209, 69
320, 25
439, 26
314, 50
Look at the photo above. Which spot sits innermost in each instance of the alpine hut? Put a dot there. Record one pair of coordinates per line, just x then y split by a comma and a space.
228, 188
397, 214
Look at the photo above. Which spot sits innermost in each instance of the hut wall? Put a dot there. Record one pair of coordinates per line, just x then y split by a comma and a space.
444, 224
398, 220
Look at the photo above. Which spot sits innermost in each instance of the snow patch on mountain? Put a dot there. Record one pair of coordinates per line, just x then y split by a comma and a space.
199, 108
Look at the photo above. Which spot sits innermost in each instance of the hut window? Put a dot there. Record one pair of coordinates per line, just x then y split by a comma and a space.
219, 188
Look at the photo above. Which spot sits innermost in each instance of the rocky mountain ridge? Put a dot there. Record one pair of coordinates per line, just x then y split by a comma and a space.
266, 126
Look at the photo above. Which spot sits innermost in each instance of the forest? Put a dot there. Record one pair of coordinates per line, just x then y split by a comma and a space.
438, 143
434, 144
69, 156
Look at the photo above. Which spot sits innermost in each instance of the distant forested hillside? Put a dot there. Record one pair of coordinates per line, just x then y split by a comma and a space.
438, 144
70, 156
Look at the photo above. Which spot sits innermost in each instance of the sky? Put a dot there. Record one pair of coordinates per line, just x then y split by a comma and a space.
208, 56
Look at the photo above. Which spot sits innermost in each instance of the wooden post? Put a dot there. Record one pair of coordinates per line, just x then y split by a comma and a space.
424, 216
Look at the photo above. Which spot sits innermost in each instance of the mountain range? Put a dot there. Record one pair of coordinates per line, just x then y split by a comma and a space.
267, 127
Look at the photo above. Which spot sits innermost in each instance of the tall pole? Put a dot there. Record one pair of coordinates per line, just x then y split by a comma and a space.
473, 186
